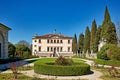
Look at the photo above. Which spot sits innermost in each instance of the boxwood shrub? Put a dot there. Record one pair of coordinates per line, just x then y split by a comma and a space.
49, 68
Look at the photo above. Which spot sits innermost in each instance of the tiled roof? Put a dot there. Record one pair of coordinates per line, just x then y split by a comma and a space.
52, 35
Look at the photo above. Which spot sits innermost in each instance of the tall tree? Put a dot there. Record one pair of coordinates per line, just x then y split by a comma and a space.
74, 44
111, 36
20, 49
11, 49
24, 42
97, 38
87, 40
93, 33
81, 42
108, 29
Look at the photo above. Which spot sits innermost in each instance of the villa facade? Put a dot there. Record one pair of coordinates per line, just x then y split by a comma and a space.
4, 41
52, 45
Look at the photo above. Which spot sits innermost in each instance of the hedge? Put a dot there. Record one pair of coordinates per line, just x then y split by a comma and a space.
49, 68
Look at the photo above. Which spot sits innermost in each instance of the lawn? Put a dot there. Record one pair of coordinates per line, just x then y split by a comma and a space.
107, 62
106, 75
9, 76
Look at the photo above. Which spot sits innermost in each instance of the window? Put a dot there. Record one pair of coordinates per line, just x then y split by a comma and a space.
39, 48
68, 41
54, 41
57, 41
61, 49
35, 41
35, 50
51, 48
48, 49
39, 40
68, 49
51, 41
61, 41
57, 49
48, 41
35, 45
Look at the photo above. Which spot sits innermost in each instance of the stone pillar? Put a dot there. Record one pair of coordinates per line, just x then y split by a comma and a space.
6, 45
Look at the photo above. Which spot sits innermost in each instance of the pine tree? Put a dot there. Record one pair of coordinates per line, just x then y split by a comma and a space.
74, 44
93, 32
87, 40
81, 42
108, 29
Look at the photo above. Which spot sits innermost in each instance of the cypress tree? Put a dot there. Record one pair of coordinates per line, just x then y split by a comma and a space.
93, 32
74, 44
81, 42
108, 29
97, 38
111, 36
87, 40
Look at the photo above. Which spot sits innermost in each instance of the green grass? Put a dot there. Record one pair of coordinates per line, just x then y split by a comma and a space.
77, 60
107, 62
105, 73
9, 76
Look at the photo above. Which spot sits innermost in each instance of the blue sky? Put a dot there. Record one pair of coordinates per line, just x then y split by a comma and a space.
27, 17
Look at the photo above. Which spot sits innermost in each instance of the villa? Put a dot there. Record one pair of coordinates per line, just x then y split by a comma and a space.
52, 45
4, 41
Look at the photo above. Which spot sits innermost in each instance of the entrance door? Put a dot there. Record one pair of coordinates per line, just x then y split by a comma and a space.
0, 50
54, 52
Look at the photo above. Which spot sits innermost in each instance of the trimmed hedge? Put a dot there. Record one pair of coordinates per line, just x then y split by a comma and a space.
49, 68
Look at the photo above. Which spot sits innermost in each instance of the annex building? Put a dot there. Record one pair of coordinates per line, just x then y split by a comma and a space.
4, 41
52, 45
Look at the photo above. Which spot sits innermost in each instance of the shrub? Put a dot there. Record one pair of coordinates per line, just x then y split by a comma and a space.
49, 68
26, 54
114, 53
102, 54
63, 61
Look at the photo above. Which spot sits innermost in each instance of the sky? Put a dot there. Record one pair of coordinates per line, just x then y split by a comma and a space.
29, 17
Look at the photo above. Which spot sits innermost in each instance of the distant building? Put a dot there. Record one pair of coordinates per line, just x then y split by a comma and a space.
4, 41
52, 45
